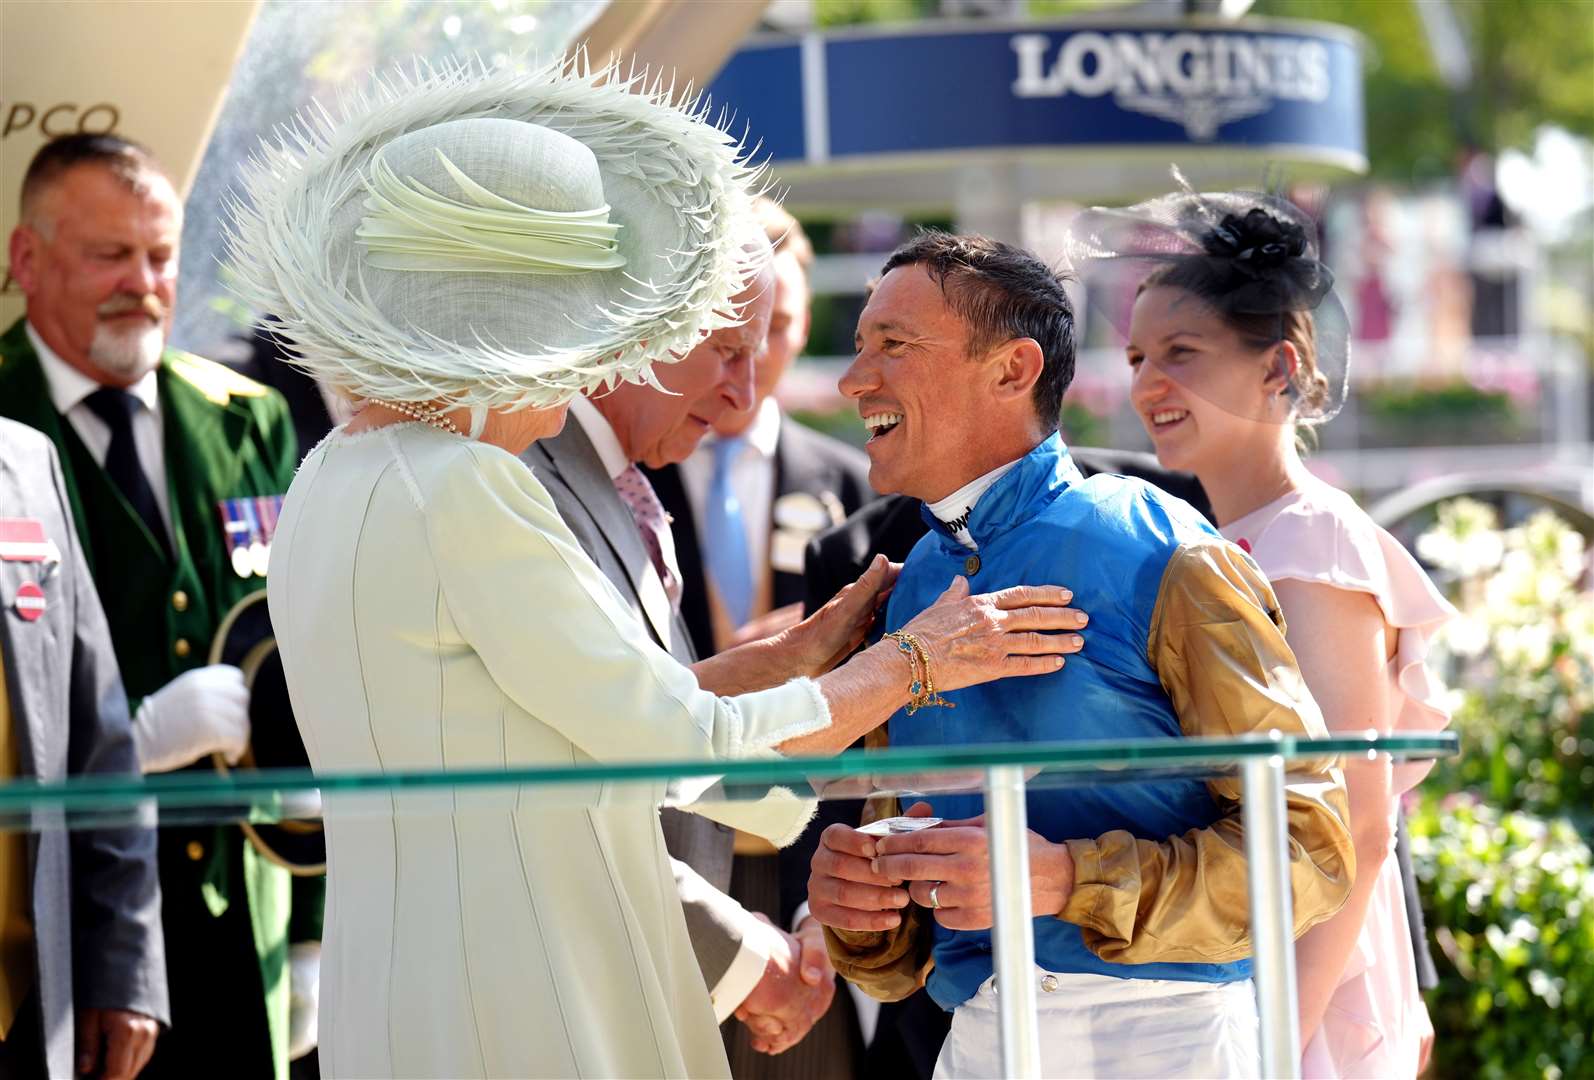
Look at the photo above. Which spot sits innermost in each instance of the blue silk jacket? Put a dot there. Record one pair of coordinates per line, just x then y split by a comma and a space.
1184, 638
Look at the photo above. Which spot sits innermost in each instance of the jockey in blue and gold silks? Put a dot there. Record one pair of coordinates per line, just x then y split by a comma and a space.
1185, 639
964, 352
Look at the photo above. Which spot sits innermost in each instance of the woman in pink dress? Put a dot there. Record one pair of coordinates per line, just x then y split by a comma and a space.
1235, 340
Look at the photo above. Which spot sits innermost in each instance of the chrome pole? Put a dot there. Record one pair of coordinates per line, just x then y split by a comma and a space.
1013, 932
1273, 946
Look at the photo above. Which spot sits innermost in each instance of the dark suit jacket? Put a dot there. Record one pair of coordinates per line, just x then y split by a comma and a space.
805, 461
571, 470
95, 894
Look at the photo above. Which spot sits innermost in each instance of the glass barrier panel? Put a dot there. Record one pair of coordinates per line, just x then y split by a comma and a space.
195, 796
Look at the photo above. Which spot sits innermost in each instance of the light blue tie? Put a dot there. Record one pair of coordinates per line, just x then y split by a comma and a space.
725, 538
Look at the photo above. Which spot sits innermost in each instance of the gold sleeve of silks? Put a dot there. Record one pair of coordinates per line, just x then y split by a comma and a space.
1217, 644
888, 965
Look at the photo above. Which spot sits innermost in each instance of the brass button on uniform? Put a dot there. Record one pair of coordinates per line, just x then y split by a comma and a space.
971, 565
181, 647
179, 601
196, 850
1049, 983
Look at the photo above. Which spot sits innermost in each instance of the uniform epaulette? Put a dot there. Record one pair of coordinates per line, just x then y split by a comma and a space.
217, 382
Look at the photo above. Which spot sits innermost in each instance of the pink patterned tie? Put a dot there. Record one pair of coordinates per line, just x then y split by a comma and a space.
654, 524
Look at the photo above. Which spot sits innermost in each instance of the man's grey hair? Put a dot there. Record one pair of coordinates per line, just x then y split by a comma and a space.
128, 161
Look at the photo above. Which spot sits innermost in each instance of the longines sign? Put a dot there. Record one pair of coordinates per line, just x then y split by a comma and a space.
1200, 81
1293, 87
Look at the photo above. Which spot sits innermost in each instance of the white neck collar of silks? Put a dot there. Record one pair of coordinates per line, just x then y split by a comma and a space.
954, 510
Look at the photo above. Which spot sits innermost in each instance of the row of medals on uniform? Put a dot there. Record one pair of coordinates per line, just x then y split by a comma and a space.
249, 524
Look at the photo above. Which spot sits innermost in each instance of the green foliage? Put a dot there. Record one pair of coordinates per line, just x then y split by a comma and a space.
1534, 61
1522, 655
1449, 414
1456, 399
380, 32
1511, 896
855, 12
842, 424
1048, 9
1530, 59
1505, 863
1081, 427
832, 321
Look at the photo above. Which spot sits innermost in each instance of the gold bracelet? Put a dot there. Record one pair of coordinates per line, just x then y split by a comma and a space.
905, 646
921, 686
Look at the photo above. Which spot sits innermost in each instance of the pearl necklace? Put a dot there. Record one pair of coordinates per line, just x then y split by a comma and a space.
426, 414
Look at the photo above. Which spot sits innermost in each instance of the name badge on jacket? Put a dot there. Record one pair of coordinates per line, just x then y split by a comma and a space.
798, 517
249, 524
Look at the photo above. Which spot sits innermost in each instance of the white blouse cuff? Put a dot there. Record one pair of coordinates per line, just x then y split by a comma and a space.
799, 708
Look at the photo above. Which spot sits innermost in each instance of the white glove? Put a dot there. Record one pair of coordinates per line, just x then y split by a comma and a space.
200, 712
304, 998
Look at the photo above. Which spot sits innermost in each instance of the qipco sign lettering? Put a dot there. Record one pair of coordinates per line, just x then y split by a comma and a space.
1285, 87
56, 119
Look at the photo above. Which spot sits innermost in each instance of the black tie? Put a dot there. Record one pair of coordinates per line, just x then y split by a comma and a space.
116, 408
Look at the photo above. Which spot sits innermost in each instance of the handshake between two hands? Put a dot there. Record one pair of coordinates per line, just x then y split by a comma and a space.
797, 988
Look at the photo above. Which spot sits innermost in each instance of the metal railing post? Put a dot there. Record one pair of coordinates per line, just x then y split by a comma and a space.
1013, 930
1272, 943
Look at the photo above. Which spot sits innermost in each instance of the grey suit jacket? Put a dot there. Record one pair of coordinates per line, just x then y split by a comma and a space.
95, 893
701, 849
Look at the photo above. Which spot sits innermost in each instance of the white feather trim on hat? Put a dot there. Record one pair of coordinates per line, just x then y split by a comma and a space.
408, 329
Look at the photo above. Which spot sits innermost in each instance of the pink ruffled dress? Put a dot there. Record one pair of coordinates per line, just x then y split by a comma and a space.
1376, 1021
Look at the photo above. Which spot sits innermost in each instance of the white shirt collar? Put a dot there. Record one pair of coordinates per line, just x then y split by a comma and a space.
601, 434
954, 510
69, 386
760, 437
764, 432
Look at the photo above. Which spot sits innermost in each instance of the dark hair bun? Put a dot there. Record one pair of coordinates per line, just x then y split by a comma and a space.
1252, 257
1258, 263
1258, 242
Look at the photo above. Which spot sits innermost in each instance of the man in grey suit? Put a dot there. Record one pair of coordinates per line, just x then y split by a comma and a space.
81, 946
753, 969
744, 505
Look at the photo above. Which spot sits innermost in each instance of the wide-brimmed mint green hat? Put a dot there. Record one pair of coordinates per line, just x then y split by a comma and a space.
495, 238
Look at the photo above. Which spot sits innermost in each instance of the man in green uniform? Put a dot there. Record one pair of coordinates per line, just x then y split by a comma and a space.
171, 463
